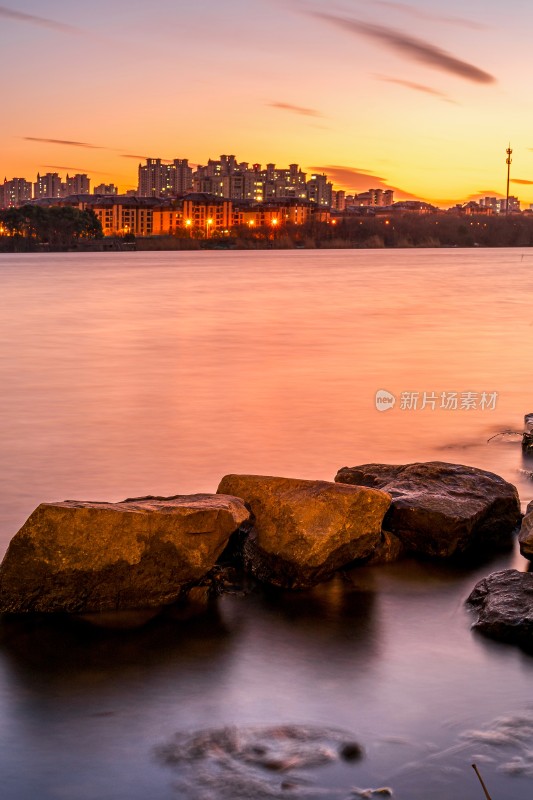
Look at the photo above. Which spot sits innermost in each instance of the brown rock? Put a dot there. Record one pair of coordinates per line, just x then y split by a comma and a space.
525, 537
84, 557
305, 530
388, 550
441, 509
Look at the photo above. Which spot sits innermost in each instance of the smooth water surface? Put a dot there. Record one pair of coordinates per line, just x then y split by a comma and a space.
134, 374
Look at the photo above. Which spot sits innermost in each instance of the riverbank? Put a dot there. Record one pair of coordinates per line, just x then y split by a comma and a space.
376, 231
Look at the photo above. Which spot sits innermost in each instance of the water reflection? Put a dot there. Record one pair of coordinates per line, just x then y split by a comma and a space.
133, 374
60, 647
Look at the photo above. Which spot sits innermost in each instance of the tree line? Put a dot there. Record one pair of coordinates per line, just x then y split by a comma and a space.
33, 227
396, 230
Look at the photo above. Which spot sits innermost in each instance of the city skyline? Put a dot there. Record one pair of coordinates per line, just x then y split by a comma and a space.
419, 98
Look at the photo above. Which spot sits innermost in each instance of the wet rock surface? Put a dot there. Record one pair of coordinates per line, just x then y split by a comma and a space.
503, 603
256, 762
440, 509
389, 549
525, 537
304, 530
84, 557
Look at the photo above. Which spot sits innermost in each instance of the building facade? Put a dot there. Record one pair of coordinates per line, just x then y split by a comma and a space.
163, 179
15, 192
48, 185
76, 184
108, 189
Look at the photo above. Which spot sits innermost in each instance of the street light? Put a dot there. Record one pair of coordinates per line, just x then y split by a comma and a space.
208, 224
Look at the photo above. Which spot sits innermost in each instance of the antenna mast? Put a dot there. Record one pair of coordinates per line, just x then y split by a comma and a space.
508, 162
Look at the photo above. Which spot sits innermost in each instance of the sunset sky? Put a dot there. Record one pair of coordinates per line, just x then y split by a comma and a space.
421, 96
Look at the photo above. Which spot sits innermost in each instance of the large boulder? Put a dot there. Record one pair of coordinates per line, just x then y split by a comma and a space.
525, 537
441, 509
504, 605
305, 530
86, 557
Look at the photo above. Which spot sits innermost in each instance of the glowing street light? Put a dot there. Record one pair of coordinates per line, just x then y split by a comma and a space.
208, 224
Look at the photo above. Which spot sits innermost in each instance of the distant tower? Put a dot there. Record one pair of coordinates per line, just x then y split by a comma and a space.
508, 162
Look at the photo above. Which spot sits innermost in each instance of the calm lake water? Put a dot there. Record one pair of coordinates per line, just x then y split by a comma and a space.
133, 374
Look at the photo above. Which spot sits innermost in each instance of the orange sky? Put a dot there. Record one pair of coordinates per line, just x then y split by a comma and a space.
420, 96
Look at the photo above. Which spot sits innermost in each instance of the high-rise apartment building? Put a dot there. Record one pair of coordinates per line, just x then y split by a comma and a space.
106, 189
338, 200
15, 192
155, 179
499, 204
182, 176
159, 179
320, 191
48, 185
375, 197
77, 184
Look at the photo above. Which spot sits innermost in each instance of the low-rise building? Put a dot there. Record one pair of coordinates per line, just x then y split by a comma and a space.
205, 213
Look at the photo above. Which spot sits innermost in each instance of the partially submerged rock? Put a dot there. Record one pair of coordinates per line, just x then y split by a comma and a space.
305, 530
441, 509
504, 605
527, 443
525, 537
85, 557
252, 763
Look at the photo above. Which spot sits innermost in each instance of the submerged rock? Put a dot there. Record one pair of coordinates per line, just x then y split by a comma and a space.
256, 762
525, 537
85, 557
305, 530
504, 605
441, 509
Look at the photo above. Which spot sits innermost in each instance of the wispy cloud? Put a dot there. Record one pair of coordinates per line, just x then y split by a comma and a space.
33, 19
64, 142
304, 112
355, 179
417, 87
62, 167
484, 193
82, 170
522, 181
145, 158
413, 11
411, 48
